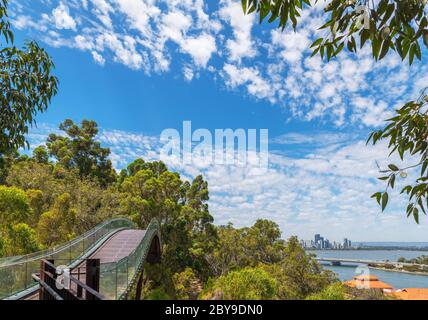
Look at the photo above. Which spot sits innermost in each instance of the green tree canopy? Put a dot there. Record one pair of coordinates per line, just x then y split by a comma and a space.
40, 154
245, 284
14, 206
335, 291
21, 240
187, 286
26, 85
79, 150
298, 273
246, 247
17, 237
187, 230
57, 225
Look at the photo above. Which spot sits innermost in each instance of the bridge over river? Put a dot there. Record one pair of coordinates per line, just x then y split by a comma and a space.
106, 263
339, 261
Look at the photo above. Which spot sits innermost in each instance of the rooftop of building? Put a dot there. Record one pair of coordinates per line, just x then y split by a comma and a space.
368, 282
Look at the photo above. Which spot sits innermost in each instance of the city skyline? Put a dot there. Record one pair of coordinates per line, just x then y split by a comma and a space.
320, 242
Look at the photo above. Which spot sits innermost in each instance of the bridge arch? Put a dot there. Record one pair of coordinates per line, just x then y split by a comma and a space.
155, 251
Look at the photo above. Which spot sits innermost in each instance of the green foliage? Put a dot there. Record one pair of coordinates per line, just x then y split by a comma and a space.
14, 206
2, 246
407, 134
44, 183
157, 167
26, 85
21, 240
158, 294
186, 225
35, 199
17, 237
159, 276
57, 224
263, 241
423, 260
79, 150
335, 291
40, 154
400, 26
299, 274
246, 247
6, 160
244, 284
187, 285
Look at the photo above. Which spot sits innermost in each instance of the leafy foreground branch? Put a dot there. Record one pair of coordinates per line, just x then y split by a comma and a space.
400, 26
388, 25
407, 134
26, 85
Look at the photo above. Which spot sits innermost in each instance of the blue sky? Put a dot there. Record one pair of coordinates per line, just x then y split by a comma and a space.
138, 67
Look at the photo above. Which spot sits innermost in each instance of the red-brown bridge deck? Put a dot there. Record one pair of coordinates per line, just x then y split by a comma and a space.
119, 246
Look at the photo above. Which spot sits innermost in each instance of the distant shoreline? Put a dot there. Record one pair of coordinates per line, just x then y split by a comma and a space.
400, 271
421, 249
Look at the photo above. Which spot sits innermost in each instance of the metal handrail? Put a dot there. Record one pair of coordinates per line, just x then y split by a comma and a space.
17, 270
45, 253
79, 283
130, 266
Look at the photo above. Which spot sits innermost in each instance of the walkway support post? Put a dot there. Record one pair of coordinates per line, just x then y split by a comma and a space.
46, 268
139, 285
92, 277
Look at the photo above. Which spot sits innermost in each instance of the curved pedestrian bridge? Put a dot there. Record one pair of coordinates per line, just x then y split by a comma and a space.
104, 263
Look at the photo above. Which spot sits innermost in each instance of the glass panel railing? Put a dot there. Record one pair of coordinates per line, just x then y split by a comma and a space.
16, 272
116, 278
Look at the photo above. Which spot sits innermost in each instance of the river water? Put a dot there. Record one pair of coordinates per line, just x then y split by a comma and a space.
396, 279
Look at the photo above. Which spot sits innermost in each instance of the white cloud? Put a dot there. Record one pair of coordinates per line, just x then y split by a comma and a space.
139, 14
62, 18
326, 190
124, 49
98, 58
319, 138
188, 73
83, 43
293, 45
102, 10
242, 45
175, 25
200, 48
251, 78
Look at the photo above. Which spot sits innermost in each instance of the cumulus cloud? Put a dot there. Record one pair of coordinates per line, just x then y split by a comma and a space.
250, 77
263, 63
241, 45
98, 58
325, 189
200, 48
62, 18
